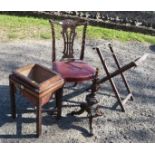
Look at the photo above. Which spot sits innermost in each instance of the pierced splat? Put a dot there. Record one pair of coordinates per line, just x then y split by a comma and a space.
69, 34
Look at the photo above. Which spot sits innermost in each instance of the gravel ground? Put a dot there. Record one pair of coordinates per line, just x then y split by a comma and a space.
135, 125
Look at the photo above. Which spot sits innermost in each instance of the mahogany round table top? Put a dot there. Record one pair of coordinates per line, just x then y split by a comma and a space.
74, 70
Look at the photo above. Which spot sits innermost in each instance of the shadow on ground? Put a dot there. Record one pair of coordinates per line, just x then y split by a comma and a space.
25, 107
152, 48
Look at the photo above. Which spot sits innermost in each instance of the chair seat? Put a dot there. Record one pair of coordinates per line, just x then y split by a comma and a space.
74, 70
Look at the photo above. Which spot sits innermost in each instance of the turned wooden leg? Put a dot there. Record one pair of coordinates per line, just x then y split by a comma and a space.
12, 99
59, 94
38, 120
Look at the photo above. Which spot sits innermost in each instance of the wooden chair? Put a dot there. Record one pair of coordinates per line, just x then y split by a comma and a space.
74, 69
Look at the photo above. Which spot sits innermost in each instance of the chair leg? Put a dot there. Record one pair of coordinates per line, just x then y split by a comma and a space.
12, 99
122, 75
59, 95
39, 119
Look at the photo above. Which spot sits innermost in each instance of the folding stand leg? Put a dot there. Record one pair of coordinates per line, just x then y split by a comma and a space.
122, 75
111, 81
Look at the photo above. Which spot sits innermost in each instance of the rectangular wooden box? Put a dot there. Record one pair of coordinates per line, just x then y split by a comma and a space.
37, 76
37, 82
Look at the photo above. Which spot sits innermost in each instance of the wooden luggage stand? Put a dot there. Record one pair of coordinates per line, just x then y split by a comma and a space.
119, 71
